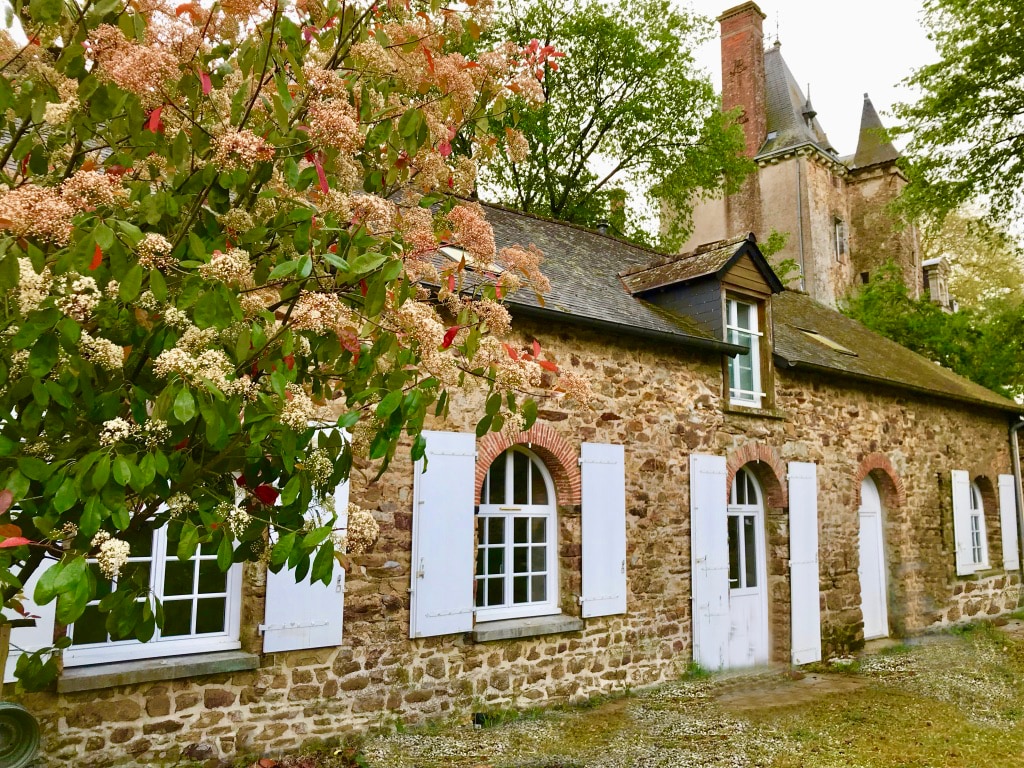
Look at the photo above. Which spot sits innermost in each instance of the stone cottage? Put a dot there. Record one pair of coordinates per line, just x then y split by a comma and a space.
760, 479
833, 208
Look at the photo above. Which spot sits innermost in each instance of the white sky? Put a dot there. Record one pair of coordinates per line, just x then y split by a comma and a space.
843, 49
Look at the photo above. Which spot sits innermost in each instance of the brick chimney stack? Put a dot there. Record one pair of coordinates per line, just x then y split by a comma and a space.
743, 82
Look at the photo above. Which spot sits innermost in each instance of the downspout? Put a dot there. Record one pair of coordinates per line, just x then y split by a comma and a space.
800, 222
1015, 452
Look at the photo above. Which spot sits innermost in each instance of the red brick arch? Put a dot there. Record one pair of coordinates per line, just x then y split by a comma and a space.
559, 457
892, 486
767, 467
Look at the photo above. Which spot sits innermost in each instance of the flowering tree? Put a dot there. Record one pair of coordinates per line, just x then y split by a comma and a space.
215, 226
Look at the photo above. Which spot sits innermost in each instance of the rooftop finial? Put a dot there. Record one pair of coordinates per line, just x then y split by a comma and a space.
777, 27
865, 96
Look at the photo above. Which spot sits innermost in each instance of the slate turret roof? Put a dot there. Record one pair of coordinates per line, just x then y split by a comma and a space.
873, 147
791, 120
584, 268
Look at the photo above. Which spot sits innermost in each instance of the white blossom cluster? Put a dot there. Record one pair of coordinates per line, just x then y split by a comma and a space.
181, 504
81, 295
236, 518
298, 409
33, 287
318, 466
112, 555
210, 365
363, 530
118, 430
103, 352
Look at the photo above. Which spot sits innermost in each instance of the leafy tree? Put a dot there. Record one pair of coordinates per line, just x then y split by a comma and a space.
967, 128
985, 345
190, 281
626, 107
986, 262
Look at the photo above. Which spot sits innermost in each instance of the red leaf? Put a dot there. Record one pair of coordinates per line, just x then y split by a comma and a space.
449, 336
289, 360
511, 351
444, 148
499, 292
536, 348
204, 78
10, 529
308, 32
320, 174
451, 283
547, 365
430, 59
363, 287
265, 493
153, 124
14, 541
240, 481
6, 499
182, 445
97, 257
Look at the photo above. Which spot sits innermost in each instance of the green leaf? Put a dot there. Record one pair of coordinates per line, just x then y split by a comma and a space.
366, 262
46, 587
291, 490
493, 404
529, 413
104, 236
131, 285
283, 270
323, 564
188, 542
316, 537
484, 426
224, 553
101, 472
388, 405
44, 355
279, 554
45, 11
122, 470
35, 469
184, 406
66, 496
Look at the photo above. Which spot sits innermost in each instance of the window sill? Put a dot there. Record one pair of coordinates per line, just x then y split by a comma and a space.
97, 676
515, 629
760, 413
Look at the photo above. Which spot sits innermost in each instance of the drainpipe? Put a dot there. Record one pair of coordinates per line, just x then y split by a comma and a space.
1015, 452
800, 223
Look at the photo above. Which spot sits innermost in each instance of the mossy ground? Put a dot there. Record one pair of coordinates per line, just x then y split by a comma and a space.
950, 700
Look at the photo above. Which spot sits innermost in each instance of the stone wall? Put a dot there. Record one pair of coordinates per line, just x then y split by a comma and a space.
663, 405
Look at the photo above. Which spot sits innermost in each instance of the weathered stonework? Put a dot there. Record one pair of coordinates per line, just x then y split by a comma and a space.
662, 404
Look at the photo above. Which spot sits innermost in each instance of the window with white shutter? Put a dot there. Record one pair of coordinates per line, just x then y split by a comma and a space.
709, 557
603, 478
1008, 522
803, 562
963, 525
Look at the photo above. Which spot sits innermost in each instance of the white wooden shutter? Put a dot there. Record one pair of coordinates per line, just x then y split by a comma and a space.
603, 476
962, 522
31, 638
803, 562
1008, 521
443, 536
709, 559
305, 614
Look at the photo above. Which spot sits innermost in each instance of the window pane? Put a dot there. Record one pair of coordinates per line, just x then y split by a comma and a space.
496, 481
743, 315
739, 489
520, 478
750, 547
210, 615
178, 577
540, 588
520, 530
540, 559
751, 489
177, 618
211, 577
539, 530
540, 489
520, 589
480, 562
495, 561
495, 591
734, 551
496, 530
141, 544
520, 559
89, 627
103, 586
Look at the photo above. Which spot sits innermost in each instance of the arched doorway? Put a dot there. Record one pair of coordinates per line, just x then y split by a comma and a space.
873, 587
516, 556
748, 580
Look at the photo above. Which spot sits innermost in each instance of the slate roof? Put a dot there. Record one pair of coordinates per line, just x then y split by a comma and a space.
584, 267
785, 105
876, 358
704, 261
872, 146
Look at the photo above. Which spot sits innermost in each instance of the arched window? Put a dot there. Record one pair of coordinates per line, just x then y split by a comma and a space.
744, 518
979, 541
516, 564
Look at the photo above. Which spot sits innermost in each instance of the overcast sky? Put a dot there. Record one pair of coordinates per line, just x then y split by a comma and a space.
843, 49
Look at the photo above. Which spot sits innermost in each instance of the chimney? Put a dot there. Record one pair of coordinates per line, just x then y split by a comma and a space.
743, 80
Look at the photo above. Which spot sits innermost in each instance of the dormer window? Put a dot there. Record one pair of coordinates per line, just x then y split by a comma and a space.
745, 368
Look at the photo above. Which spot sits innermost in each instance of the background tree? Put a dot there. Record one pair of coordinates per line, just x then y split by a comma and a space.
190, 279
984, 344
986, 263
625, 108
966, 131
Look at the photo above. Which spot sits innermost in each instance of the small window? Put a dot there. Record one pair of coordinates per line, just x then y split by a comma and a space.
839, 238
979, 542
744, 368
516, 557
830, 343
865, 277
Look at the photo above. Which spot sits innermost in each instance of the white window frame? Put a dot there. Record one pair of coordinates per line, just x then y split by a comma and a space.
737, 334
124, 650
839, 237
509, 512
979, 535
748, 509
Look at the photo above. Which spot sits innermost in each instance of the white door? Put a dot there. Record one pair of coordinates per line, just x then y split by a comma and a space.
872, 563
748, 593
